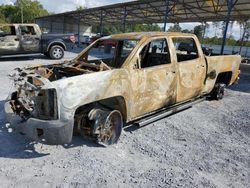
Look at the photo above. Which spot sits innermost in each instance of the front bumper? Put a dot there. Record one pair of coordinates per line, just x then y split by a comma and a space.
50, 131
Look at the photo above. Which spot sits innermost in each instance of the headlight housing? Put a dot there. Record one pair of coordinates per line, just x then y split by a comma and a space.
45, 105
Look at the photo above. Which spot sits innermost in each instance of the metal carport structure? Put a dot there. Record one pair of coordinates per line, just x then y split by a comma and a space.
160, 11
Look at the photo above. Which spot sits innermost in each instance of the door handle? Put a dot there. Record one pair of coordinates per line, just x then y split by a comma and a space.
16, 39
173, 72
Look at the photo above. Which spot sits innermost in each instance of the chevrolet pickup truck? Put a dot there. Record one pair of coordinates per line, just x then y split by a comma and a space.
105, 88
28, 39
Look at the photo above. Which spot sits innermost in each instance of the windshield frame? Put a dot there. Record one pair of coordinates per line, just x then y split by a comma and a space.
83, 56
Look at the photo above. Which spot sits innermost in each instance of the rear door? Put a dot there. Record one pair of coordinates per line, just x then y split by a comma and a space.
190, 66
154, 81
9, 41
30, 39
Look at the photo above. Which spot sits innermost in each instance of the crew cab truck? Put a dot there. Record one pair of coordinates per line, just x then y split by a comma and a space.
28, 39
105, 88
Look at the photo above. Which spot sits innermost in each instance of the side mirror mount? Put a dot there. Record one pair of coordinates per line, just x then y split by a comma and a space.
136, 65
212, 74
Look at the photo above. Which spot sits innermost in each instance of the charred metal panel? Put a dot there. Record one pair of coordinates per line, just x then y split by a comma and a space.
220, 64
57, 91
30, 43
9, 44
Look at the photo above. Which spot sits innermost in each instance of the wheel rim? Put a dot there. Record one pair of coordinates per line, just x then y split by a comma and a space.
57, 53
110, 131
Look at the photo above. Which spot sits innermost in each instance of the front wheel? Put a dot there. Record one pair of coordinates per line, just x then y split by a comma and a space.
107, 125
218, 91
56, 52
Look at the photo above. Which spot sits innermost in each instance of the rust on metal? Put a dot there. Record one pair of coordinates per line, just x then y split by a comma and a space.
134, 90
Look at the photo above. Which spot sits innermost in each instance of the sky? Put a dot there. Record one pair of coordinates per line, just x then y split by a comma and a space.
69, 5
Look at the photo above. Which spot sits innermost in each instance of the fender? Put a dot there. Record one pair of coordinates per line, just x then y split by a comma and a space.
55, 42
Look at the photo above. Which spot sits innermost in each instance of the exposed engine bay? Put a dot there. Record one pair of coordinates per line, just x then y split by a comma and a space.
30, 100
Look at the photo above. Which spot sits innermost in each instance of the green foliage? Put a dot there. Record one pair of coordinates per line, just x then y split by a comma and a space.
8, 11
147, 27
81, 8
108, 30
2, 19
199, 31
247, 28
230, 40
186, 31
114, 29
175, 28
31, 10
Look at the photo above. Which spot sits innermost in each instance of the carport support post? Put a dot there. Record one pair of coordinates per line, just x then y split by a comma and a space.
230, 6
63, 24
78, 29
204, 31
51, 26
166, 15
101, 24
124, 19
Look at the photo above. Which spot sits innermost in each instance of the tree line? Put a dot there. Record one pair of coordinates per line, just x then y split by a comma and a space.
22, 10
201, 31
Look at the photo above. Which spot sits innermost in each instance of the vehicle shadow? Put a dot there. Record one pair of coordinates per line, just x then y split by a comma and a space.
24, 57
12, 143
80, 141
15, 145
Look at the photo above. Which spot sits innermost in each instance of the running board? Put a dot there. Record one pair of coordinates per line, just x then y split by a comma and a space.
166, 112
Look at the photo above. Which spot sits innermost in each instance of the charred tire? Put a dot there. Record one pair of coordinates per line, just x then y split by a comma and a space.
56, 52
218, 91
106, 126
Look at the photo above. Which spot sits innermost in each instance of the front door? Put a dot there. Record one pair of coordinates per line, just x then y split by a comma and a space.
9, 41
191, 68
154, 81
30, 39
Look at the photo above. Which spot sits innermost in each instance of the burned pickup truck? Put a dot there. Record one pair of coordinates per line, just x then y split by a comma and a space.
108, 86
28, 39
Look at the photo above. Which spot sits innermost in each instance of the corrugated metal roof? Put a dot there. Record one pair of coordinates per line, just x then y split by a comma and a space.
154, 11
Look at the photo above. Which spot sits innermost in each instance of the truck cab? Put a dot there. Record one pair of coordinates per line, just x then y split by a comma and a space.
28, 39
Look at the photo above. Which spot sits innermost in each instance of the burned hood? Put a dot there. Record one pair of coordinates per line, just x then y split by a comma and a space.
73, 91
37, 76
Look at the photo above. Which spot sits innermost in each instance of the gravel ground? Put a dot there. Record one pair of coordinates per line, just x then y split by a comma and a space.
207, 145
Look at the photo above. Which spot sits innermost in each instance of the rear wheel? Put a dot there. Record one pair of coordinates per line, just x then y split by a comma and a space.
56, 52
218, 91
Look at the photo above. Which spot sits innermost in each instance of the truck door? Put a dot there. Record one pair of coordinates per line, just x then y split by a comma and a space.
9, 41
153, 82
30, 39
190, 66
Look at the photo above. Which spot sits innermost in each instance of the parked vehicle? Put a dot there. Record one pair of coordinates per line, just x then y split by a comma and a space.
189, 48
207, 51
84, 39
100, 91
246, 60
28, 38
